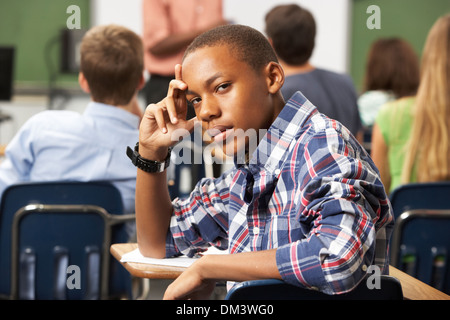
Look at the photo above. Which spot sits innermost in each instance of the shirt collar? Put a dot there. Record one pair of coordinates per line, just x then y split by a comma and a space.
286, 128
97, 109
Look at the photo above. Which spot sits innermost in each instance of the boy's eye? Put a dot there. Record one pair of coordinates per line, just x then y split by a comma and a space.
222, 86
194, 101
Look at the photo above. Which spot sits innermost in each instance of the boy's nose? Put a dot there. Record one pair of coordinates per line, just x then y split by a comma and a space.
209, 110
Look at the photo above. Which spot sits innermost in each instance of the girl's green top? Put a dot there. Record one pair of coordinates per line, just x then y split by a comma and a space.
395, 120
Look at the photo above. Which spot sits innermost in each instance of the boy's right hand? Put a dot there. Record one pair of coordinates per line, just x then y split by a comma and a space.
162, 119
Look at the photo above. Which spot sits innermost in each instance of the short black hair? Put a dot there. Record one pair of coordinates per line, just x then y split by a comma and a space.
292, 30
247, 44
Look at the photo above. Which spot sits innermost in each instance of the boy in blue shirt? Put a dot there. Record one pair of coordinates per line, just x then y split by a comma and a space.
64, 145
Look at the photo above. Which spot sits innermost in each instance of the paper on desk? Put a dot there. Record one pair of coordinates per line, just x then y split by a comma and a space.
182, 261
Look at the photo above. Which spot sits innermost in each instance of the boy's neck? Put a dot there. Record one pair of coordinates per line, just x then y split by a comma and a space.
295, 69
279, 104
133, 107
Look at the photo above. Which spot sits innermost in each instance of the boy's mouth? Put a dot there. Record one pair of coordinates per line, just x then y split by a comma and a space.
220, 133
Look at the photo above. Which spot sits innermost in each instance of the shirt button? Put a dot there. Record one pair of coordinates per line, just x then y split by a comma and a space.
277, 171
255, 230
364, 268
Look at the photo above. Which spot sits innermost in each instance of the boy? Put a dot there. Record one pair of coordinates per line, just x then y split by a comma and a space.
291, 30
63, 145
307, 206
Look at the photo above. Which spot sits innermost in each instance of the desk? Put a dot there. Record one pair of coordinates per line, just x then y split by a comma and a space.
413, 289
143, 270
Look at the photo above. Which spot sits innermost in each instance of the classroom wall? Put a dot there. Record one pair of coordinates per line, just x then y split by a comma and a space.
34, 27
332, 17
342, 43
332, 20
343, 38
408, 19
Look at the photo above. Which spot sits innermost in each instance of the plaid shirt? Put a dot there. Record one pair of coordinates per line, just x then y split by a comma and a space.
310, 191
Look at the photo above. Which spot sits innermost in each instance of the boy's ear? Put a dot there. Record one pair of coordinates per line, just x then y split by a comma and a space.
141, 82
275, 77
83, 83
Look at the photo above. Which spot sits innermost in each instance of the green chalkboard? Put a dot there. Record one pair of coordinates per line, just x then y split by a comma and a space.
33, 28
409, 19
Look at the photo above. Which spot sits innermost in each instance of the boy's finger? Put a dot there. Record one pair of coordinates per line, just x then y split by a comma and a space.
176, 87
171, 109
189, 125
178, 72
159, 117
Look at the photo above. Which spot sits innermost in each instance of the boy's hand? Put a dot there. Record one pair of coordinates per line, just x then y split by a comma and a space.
190, 285
162, 119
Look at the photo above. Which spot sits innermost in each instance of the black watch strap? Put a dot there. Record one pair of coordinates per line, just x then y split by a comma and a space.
145, 164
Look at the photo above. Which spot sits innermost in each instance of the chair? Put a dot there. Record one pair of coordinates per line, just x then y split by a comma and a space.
421, 246
187, 166
433, 195
55, 239
272, 289
367, 138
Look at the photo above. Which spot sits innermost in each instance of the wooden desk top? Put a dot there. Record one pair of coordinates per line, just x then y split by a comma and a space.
413, 289
143, 270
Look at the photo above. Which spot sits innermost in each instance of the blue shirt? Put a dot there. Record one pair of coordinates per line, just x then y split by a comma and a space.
332, 93
310, 191
62, 145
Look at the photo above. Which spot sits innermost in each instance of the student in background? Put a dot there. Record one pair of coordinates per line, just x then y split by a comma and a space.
303, 202
291, 30
411, 136
61, 145
169, 27
392, 72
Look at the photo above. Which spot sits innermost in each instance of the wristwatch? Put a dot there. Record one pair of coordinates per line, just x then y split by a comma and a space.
145, 164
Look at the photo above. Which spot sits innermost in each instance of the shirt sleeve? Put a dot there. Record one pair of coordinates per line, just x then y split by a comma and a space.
343, 206
201, 220
19, 156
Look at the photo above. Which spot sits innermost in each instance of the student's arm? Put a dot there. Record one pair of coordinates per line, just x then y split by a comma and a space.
343, 203
174, 43
198, 281
153, 205
379, 154
20, 153
360, 136
159, 39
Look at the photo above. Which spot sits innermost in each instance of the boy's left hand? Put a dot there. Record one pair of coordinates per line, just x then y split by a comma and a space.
190, 285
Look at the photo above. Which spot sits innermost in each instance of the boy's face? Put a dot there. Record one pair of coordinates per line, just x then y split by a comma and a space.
232, 100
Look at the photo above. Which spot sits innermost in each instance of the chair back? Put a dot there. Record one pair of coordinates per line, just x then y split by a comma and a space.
55, 239
433, 195
272, 289
420, 246
187, 167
